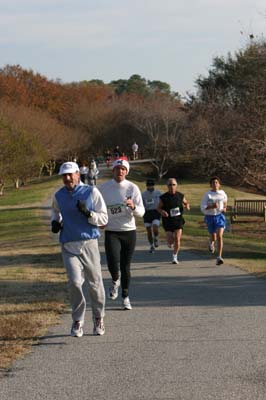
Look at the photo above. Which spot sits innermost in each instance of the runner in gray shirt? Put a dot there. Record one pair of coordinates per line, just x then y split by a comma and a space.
151, 198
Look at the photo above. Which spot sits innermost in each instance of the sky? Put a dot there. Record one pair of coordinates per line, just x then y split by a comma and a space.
174, 41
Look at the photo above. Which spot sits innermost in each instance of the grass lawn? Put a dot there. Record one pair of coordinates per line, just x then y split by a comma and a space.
32, 278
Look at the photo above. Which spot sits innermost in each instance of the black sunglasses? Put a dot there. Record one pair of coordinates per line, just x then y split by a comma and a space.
171, 184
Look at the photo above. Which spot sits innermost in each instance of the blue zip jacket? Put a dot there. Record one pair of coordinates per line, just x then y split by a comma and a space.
75, 224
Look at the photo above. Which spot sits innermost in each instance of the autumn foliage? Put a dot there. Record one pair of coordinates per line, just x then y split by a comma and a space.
39, 120
43, 122
219, 130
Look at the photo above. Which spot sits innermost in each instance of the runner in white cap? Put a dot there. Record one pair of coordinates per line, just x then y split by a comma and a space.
77, 212
213, 206
124, 203
171, 207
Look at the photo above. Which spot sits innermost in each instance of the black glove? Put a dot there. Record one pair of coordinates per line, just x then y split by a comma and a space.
56, 226
82, 208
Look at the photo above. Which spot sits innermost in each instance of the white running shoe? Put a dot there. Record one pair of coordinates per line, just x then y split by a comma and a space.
113, 290
152, 249
98, 326
76, 329
126, 304
219, 261
175, 259
211, 247
156, 243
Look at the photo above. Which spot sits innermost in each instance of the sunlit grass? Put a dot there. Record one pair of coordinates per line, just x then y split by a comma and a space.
32, 192
32, 278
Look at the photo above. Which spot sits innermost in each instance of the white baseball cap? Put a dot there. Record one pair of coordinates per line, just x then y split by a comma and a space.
121, 162
68, 167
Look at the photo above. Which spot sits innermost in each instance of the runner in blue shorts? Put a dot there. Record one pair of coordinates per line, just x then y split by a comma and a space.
213, 206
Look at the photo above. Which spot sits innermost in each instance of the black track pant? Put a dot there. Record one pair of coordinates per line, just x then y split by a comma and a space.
119, 248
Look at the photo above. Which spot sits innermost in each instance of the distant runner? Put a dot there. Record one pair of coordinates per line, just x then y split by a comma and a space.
151, 198
135, 149
213, 206
93, 173
84, 172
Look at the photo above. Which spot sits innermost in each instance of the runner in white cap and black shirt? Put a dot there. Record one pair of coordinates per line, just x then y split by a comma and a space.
124, 203
151, 198
171, 207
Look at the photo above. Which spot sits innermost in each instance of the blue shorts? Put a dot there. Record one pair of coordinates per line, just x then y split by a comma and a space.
214, 222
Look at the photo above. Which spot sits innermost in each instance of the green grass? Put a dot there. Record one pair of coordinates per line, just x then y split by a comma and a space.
32, 278
20, 210
18, 223
35, 191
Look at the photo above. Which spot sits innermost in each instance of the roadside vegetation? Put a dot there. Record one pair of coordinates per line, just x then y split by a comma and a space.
32, 278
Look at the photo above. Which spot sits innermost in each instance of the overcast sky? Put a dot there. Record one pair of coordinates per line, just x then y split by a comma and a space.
169, 40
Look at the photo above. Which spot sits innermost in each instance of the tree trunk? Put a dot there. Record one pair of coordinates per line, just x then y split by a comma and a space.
2, 185
16, 182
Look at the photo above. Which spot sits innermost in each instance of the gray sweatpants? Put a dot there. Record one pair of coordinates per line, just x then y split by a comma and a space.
85, 266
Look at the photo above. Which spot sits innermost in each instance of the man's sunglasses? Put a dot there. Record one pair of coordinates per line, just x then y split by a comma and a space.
171, 184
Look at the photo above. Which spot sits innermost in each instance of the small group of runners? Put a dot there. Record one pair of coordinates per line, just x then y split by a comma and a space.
80, 211
170, 206
89, 173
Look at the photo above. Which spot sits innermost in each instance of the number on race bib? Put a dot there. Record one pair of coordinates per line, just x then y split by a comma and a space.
150, 201
116, 210
174, 212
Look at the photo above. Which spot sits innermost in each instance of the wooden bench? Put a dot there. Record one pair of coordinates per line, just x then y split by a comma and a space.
248, 207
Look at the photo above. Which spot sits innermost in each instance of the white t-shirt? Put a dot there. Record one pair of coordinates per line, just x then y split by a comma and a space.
135, 147
121, 217
212, 197
83, 170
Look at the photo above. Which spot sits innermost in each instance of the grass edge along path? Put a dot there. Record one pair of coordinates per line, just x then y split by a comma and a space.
32, 279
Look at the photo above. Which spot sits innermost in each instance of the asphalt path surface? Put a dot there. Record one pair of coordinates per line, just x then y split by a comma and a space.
196, 331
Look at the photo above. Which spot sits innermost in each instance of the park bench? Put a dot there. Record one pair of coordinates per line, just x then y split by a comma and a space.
248, 207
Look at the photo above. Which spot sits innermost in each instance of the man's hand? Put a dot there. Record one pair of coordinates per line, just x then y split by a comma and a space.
56, 226
130, 203
187, 206
82, 208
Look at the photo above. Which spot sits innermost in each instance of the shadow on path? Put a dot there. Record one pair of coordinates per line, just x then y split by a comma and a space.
211, 291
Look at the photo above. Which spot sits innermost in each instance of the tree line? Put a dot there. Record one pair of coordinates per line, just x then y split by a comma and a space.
218, 130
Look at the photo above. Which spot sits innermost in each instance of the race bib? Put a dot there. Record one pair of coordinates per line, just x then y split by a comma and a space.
174, 212
149, 201
116, 210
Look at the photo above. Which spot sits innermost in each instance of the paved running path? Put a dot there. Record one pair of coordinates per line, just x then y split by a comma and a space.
196, 331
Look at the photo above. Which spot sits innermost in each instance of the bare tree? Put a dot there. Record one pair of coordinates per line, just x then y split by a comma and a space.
162, 120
